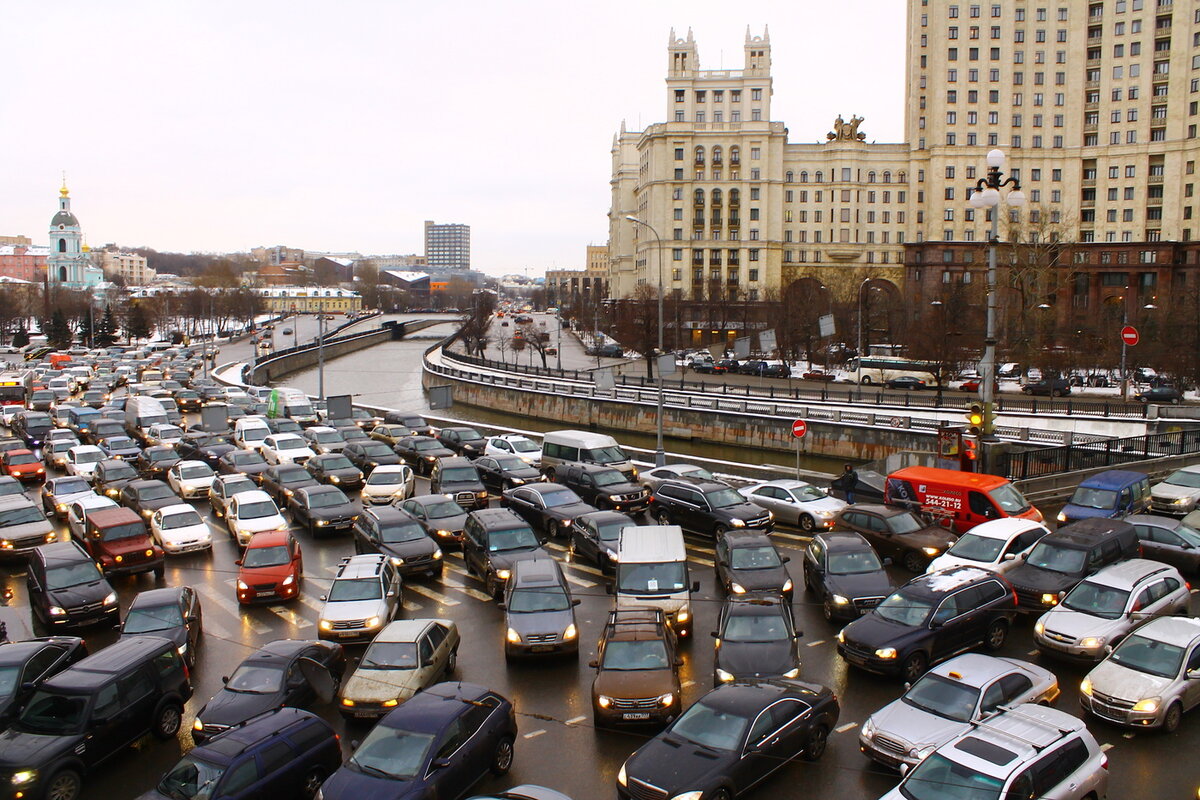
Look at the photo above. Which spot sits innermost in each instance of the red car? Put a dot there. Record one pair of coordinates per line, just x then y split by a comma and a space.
974, 384
24, 466
270, 568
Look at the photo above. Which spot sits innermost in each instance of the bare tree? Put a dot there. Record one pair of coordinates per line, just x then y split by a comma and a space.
637, 324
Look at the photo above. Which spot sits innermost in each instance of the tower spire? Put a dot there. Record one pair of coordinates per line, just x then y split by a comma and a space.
64, 191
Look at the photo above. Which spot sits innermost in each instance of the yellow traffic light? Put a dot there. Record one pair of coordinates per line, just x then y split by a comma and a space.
975, 419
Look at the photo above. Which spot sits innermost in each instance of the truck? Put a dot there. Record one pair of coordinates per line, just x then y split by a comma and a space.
652, 572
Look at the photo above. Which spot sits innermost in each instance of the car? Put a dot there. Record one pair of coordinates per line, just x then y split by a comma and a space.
457, 479
595, 536
494, 540
394, 533
188, 400
1159, 394
82, 460
404, 658
525, 791
191, 480
334, 469
516, 445
1169, 540
444, 520
113, 475
154, 462
55, 453
250, 513
32, 427
286, 448
365, 595
947, 701
651, 478
224, 488
897, 533
998, 545
732, 739
351, 432
277, 675
539, 613
706, 507
464, 441
387, 484
323, 439
284, 425
796, 503
173, 613
1113, 493
930, 619
637, 670
504, 472
203, 446
23, 527
244, 462
59, 493
846, 574
370, 455
603, 487
26, 665
1102, 610
756, 638
390, 433
78, 510
422, 452
10, 487
437, 744
610, 350
322, 510
906, 382
1062, 559
41, 400
179, 529
415, 424
972, 385
1048, 387
282, 481
66, 588
548, 507
1178, 493
121, 446
271, 568
747, 563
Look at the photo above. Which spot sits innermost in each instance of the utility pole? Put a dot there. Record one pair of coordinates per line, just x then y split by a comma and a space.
321, 349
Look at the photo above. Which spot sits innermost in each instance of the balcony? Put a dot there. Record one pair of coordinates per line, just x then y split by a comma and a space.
1154, 201
1092, 85
1089, 181
1155, 179
1091, 127
1088, 202
1091, 106
715, 222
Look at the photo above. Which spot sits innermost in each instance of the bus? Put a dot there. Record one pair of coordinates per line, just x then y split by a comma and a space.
879, 369
15, 387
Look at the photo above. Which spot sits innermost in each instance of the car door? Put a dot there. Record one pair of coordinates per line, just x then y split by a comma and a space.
1017, 687
1160, 544
486, 467
109, 728
190, 607
877, 532
946, 628
768, 497
450, 769
586, 538
764, 749
475, 547
1191, 686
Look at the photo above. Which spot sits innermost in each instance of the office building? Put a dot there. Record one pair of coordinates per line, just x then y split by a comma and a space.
447, 246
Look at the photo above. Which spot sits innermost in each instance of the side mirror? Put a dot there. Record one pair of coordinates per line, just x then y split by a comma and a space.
594, 664
695, 586
1010, 556
887, 562
904, 769
786, 559
354, 744
576, 602
238, 562
713, 634
440, 763
501, 606
324, 598
1193, 675
224, 679
1108, 648
609, 589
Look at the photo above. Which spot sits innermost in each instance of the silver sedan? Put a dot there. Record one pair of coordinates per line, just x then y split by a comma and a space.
795, 503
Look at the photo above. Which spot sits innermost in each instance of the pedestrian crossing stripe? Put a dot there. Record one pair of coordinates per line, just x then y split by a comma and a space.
229, 604
437, 597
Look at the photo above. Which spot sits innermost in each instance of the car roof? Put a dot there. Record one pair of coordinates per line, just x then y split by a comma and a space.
454, 461
175, 508
235, 741
1003, 743
494, 517
269, 539
157, 597
784, 483
431, 710
280, 648
1180, 631
1113, 479
18, 652
368, 565
844, 540
113, 516
536, 572
1004, 528
406, 630
876, 508
974, 669
252, 496
701, 485
99, 667
747, 538
736, 697
1087, 531
601, 517
1127, 574
755, 607
949, 580
1170, 523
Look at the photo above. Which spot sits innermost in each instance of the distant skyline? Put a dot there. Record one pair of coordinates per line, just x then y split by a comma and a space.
227, 125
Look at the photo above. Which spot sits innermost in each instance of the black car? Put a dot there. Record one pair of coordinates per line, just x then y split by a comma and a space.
67, 589
282, 480
603, 487
41, 400
708, 507
596, 537
206, 447
494, 539
1048, 387
747, 563
322, 510
1159, 394
907, 382
334, 469
442, 519
112, 475
284, 425
755, 638
24, 666
415, 423
146, 497
400, 537
153, 462
272, 677
457, 477
731, 739
463, 441
1061, 560
422, 452
246, 462
929, 619
188, 400
122, 446
172, 613
369, 455
504, 472
846, 574
548, 507
32, 427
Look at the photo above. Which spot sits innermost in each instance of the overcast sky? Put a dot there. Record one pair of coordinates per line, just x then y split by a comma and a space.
222, 125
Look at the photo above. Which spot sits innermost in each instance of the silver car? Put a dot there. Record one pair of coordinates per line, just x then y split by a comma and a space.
1150, 679
1103, 609
651, 478
1178, 492
364, 597
796, 503
946, 701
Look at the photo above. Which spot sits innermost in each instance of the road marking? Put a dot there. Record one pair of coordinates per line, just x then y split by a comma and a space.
467, 590
817, 642
686, 684
580, 582
535, 733
436, 597
291, 616
585, 568
549, 545
459, 571
1129, 735
846, 727
1033, 652
575, 720
315, 605
412, 605
798, 538
231, 606
705, 561
708, 550
1106, 747
208, 626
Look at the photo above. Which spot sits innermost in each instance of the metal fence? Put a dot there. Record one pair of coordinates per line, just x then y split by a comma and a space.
1091, 455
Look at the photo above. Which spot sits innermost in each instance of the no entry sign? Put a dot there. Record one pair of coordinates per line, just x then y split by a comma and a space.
799, 428
1130, 336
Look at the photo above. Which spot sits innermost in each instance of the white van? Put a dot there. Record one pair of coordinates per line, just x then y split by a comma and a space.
575, 447
249, 432
141, 412
652, 572
295, 404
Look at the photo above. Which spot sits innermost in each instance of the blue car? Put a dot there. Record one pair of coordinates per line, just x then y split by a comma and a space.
1111, 494
438, 744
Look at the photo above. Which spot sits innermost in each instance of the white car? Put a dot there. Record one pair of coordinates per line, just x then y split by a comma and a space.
82, 460
651, 478
387, 483
514, 444
323, 439
1178, 493
191, 479
795, 503
163, 433
77, 512
179, 529
249, 435
286, 448
248, 513
998, 545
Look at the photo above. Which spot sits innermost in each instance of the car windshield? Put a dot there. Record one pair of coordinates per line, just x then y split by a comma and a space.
291, 444
663, 578
243, 484
273, 556
944, 697
327, 499
442, 509
905, 609
298, 475
807, 494
71, 486
527, 601
1010, 499
939, 778
52, 713
1185, 478
510, 462
168, 432
88, 457
427, 444
252, 433
603, 455
512, 539
162, 455
974, 547
350, 589
156, 492
523, 446
23, 458
611, 531
608, 478
398, 532
375, 449
337, 462
391, 753
378, 478
196, 471
328, 437
1189, 534
255, 679
905, 523
460, 475
1047, 555
119, 473
8, 680
1094, 498
854, 562
1097, 600
258, 510
647, 654
414, 422
390, 655
248, 459
1149, 655
184, 519
724, 498
72, 575
191, 779
560, 497
21, 515
755, 628
762, 557
128, 530
710, 727
152, 618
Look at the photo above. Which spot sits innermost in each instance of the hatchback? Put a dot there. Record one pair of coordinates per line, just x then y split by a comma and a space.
404, 658
270, 569
173, 613
539, 613
755, 638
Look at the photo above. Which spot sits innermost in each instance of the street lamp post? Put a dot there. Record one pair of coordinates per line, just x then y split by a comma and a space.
660, 457
865, 281
986, 195
1124, 347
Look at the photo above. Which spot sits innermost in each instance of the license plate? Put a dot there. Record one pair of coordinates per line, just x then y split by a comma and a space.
363, 714
541, 648
347, 634
636, 715
264, 594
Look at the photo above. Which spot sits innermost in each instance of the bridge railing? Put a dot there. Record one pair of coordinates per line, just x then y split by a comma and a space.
1106, 453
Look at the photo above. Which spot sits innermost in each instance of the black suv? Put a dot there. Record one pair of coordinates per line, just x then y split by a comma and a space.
92, 711
457, 478
67, 589
549, 507
603, 487
846, 574
1061, 560
930, 619
399, 536
706, 507
493, 540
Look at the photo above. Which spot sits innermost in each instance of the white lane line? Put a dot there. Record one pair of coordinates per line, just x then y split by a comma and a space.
460, 571
562, 548
467, 590
698, 548
291, 616
412, 605
817, 642
686, 684
576, 720
1106, 747
796, 537
436, 597
705, 561
846, 727
535, 733
580, 582
1033, 652
229, 605
584, 568
312, 603
216, 629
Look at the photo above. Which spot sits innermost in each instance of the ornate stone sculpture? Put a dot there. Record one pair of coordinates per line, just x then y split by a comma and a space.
846, 131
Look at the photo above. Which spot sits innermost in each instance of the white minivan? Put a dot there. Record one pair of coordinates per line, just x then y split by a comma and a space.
586, 447
652, 572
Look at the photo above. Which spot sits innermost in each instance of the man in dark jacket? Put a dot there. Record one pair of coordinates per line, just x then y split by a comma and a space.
846, 483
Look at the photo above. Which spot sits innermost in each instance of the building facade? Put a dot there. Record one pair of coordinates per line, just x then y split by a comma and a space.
69, 264
574, 286
447, 246
310, 299
23, 262
131, 268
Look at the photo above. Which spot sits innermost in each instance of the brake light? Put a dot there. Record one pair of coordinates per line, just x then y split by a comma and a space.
1104, 761
1016, 600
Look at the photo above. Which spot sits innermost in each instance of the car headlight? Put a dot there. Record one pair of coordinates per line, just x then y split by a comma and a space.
397, 561
437, 553
57, 611
604, 701
621, 777
1049, 599
61, 508
666, 700
923, 752
517, 481
241, 585
24, 776
1149, 705
513, 637
322, 523
390, 703
503, 574
325, 625
723, 676
841, 637
289, 580
1039, 628
571, 632
1061, 517
868, 728
929, 551
431, 459
792, 673
737, 523
886, 652
1092, 642
682, 616
111, 599
182, 649
737, 588
335, 479
444, 533
373, 622
146, 512
197, 725
481, 495
1085, 687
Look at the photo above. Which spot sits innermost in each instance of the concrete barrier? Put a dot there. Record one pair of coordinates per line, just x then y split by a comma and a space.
307, 356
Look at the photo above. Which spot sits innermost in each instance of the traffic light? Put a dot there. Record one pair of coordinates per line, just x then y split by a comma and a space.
975, 419
969, 455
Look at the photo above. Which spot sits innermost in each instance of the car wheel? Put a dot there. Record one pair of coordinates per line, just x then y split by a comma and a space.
66, 784
312, 783
452, 662
1143, 400
160, 571
827, 610
1172, 718
866, 380
502, 757
997, 632
167, 721
719, 531
662, 517
489, 586
816, 744
914, 667
914, 562
807, 523
1056, 393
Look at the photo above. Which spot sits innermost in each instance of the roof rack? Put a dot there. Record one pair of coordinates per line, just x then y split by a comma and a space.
1016, 711
614, 616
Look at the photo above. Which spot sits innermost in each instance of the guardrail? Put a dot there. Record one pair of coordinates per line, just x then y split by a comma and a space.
330, 337
1107, 453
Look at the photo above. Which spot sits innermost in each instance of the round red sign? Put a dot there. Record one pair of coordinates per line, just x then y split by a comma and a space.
799, 428
1130, 336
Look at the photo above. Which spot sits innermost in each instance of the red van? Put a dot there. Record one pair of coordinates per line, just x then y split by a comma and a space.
967, 498
117, 538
